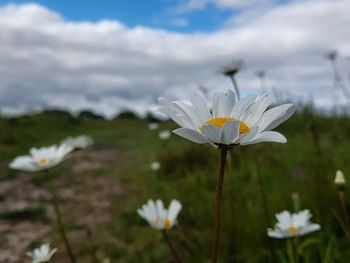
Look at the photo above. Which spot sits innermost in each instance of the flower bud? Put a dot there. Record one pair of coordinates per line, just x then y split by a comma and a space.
339, 179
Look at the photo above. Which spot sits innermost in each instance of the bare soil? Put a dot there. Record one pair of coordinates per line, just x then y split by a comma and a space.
85, 201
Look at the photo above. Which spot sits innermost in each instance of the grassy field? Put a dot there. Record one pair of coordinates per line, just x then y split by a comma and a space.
102, 187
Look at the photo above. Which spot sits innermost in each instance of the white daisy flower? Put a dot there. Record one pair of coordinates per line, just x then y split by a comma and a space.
292, 225
230, 122
339, 178
40, 159
159, 217
42, 254
153, 126
164, 135
79, 142
155, 166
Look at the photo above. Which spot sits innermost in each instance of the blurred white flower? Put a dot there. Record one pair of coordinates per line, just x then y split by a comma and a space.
42, 254
292, 224
339, 178
40, 159
231, 122
153, 126
159, 217
79, 142
164, 135
155, 166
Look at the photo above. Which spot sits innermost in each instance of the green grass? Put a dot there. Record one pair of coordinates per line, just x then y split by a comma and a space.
318, 146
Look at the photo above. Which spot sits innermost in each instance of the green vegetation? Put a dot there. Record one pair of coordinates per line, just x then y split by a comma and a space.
318, 146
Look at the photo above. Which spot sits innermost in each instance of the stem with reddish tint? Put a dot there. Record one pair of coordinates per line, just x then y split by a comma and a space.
218, 202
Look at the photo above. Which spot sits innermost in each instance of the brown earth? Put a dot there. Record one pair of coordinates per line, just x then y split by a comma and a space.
85, 202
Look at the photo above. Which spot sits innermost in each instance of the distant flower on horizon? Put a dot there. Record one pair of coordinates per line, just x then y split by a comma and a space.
79, 142
159, 217
43, 254
233, 68
292, 224
231, 122
153, 126
164, 135
40, 159
339, 178
155, 166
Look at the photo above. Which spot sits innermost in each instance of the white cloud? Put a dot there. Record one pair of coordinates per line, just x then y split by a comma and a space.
106, 66
179, 22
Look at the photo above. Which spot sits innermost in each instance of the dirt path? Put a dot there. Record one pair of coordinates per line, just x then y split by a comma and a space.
26, 215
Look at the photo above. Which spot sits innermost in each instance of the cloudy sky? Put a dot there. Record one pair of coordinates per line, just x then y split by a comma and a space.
110, 55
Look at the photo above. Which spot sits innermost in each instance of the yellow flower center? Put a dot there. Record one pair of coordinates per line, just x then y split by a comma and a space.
43, 161
167, 223
220, 122
293, 230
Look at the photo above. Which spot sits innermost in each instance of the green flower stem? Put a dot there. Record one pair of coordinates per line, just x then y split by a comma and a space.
289, 250
218, 202
295, 246
171, 246
292, 249
60, 225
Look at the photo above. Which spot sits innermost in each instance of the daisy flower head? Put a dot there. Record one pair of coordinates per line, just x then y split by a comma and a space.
79, 142
164, 135
292, 224
153, 126
159, 217
43, 254
230, 122
40, 159
155, 166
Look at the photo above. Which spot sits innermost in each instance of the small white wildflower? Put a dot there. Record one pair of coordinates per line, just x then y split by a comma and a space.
40, 159
164, 135
158, 216
155, 166
153, 126
79, 142
42, 254
292, 224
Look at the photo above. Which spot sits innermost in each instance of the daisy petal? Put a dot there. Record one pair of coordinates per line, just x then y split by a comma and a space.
268, 136
254, 112
190, 135
301, 218
249, 136
241, 106
274, 234
174, 209
309, 228
230, 132
284, 219
188, 111
201, 106
212, 133
216, 105
275, 116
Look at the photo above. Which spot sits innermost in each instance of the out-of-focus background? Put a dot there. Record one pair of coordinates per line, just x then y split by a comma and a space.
97, 68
